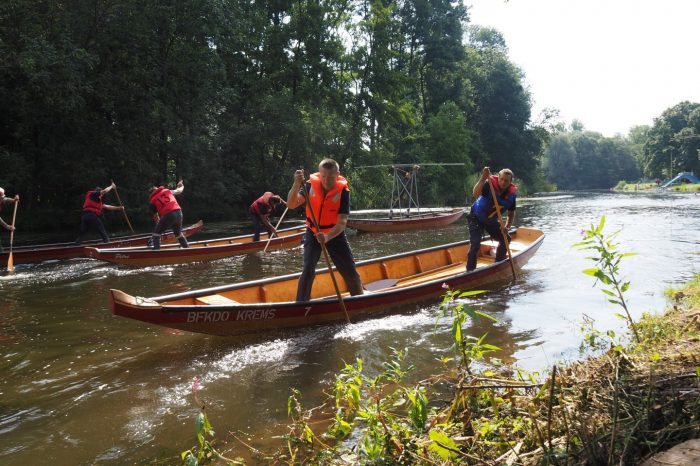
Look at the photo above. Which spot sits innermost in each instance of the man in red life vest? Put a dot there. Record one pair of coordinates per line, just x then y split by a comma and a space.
483, 214
260, 212
6, 200
92, 209
329, 196
168, 214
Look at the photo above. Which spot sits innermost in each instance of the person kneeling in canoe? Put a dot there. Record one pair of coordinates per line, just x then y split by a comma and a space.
260, 212
329, 197
92, 209
483, 214
168, 214
6, 200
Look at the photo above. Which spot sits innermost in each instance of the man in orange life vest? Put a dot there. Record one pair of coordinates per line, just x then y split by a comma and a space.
6, 200
329, 197
92, 209
168, 214
483, 214
260, 212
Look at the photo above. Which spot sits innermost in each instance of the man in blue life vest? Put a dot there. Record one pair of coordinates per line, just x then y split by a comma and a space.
260, 211
167, 214
329, 197
483, 214
92, 209
6, 200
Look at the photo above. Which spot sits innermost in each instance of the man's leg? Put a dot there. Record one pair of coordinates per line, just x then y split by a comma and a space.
177, 229
157, 231
476, 230
312, 253
341, 254
494, 231
256, 226
101, 230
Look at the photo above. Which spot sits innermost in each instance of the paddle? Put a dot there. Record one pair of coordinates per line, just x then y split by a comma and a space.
122, 205
500, 223
10, 261
276, 227
325, 253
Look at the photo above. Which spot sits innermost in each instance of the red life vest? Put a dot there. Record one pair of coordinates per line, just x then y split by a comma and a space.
91, 206
512, 188
265, 200
325, 207
164, 200
505, 199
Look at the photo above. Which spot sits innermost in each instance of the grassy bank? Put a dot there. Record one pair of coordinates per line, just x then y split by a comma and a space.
635, 394
623, 186
616, 407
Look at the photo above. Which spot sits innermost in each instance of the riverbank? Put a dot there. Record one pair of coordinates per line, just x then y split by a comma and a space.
625, 187
620, 406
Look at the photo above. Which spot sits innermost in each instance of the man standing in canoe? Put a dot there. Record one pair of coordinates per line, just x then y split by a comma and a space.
168, 214
92, 209
260, 212
329, 197
6, 200
483, 214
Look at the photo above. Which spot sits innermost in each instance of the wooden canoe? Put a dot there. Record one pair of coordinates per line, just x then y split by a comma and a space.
42, 252
415, 222
268, 304
199, 251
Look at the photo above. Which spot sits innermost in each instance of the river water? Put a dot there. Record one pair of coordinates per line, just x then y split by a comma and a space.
80, 386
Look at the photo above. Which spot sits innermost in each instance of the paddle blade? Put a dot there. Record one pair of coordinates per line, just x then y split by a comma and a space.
10, 263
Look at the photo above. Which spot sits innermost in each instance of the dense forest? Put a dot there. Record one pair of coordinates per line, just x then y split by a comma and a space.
233, 96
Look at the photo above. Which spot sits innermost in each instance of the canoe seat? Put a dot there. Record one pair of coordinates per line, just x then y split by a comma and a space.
214, 299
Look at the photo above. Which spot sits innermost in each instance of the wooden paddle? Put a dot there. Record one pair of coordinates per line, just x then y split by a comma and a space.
325, 254
276, 227
10, 261
122, 205
500, 223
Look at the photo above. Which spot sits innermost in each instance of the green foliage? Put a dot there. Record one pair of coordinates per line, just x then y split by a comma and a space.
469, 348
673, 142
205, 453
607, 259
586, 160
232, 96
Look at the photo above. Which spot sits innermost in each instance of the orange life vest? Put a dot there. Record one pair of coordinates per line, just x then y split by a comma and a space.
325, 207
164, 200
91, 206
265, 200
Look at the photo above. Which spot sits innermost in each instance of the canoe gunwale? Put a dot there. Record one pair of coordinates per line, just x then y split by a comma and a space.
176, 247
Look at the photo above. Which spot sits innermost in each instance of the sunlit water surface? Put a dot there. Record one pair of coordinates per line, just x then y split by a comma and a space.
80, 386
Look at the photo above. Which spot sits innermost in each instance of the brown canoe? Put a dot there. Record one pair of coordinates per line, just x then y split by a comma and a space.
414, 222
199, 251
268, 304
42, 252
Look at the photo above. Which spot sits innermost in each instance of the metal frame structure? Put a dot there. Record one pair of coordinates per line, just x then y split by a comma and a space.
405, 182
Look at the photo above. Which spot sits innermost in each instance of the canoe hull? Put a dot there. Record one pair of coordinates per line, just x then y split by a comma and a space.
200, 251
239, 318
38, 253
418, 222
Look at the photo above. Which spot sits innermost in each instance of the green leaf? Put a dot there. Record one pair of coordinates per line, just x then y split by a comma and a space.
199, 422
592, 272
439, 441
